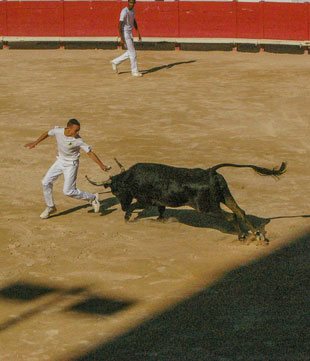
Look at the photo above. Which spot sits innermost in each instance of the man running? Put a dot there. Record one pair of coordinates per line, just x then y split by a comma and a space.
127, 22
68, 143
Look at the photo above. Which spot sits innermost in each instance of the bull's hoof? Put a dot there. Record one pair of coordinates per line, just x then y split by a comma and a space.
248, 238
242, 237
161, 219
261, 239
259, 236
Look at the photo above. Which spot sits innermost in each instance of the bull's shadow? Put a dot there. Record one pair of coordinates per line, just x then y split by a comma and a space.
192, 218
106, 204
195, 219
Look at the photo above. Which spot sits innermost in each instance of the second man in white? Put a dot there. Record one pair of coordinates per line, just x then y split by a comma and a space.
127, 22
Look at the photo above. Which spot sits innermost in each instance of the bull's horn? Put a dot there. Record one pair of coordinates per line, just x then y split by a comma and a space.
120, 165
104, 183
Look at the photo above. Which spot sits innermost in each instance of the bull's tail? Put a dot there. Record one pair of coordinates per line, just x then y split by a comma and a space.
275, 172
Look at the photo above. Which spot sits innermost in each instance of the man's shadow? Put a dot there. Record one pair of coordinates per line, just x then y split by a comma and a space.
166, 66
161, 67
105, 206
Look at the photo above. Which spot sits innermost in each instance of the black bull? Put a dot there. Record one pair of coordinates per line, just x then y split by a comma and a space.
166, 186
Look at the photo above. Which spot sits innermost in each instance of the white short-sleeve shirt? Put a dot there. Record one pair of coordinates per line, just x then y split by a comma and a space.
128, 17
68, 147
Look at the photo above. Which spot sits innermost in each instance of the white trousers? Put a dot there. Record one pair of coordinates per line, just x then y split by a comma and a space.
130, 53
69, 170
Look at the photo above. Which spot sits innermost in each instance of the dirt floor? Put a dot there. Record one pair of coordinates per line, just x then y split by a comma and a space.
86, 286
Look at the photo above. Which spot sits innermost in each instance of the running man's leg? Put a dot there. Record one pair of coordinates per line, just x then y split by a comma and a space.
121, 58
47, 182
132, 54
69, 188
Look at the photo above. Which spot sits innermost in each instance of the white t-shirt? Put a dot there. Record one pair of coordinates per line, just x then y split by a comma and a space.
68, 147
128, 17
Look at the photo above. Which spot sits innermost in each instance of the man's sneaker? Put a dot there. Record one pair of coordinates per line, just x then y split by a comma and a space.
114, 67
137, 74
96, 204
47, 212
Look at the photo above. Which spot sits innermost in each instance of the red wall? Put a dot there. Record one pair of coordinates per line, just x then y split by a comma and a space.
3, 28
250, 20
91, 18
184, 19
207, 19
34, 18
308, 21
286, 21
158, 19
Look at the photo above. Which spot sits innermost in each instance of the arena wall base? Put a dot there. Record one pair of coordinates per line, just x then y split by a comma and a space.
283, 49
206, 46
31, 45
160, 45
248, 48
90, 45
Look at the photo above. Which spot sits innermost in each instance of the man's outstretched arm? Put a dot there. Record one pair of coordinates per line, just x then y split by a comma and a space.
36, 142
96, 159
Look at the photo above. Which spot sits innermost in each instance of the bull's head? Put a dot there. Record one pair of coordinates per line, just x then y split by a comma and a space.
108, 182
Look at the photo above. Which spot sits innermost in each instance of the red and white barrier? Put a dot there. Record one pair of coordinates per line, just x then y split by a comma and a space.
160, 20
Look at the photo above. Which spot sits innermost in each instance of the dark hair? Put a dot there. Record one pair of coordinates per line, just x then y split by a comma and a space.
73, 122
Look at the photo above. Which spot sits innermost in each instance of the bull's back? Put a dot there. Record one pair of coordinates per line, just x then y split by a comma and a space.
160, 184
154, 172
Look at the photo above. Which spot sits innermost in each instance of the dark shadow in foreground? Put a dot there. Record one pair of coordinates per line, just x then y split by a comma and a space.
25, 293
257, 312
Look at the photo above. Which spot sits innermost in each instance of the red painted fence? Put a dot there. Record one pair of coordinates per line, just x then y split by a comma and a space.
175, 19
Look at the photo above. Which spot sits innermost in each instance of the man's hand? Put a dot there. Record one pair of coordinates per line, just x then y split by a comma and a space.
95, 158
106, 168
122, 43
36, 142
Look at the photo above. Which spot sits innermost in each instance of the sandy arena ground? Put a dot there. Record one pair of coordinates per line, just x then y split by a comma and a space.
85, 286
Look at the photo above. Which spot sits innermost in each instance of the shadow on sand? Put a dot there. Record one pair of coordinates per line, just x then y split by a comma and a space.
189, 217
104, 208
257, 312
160, 67
193, 218
166, 66
26, 293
